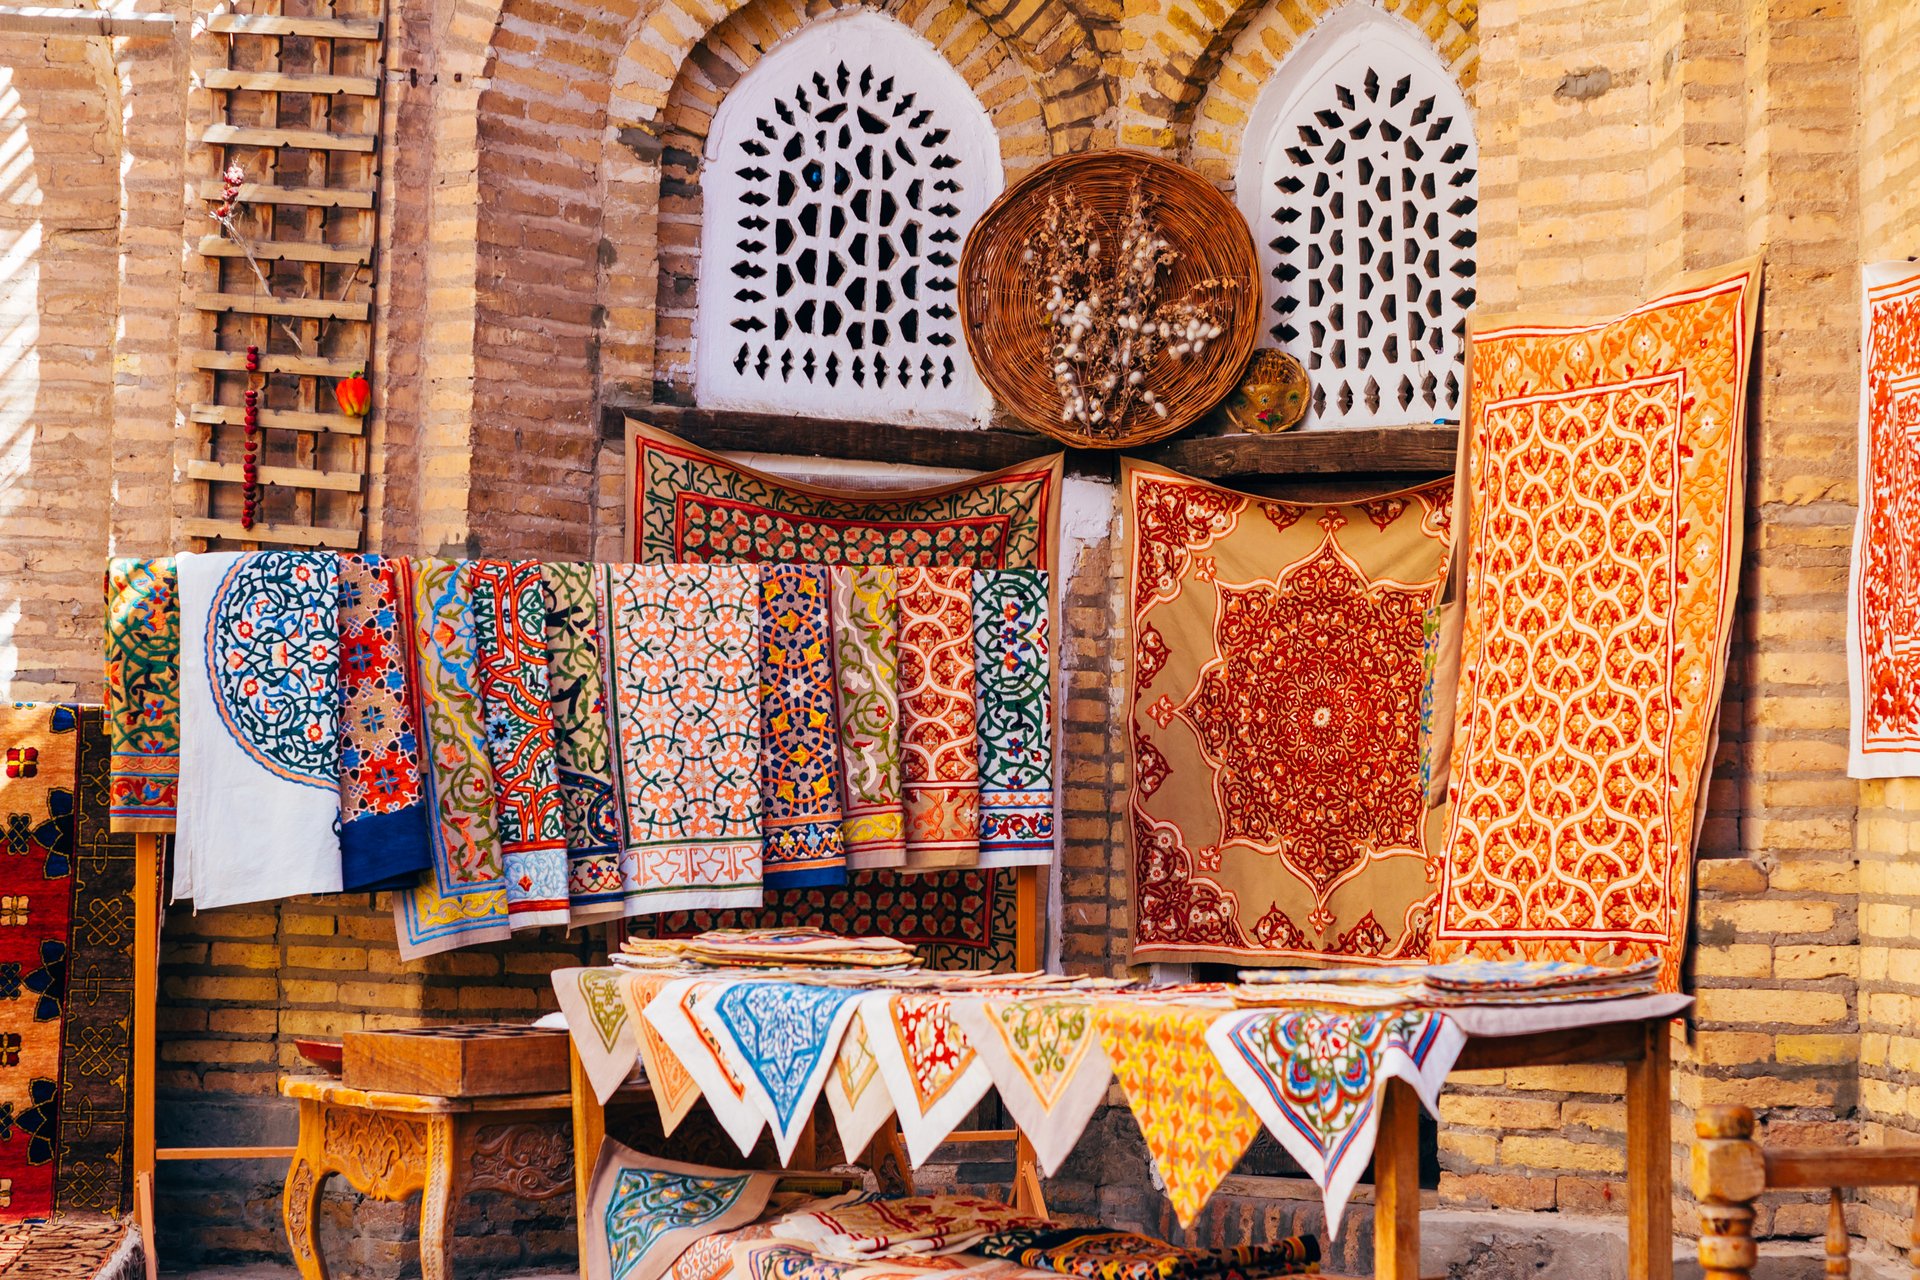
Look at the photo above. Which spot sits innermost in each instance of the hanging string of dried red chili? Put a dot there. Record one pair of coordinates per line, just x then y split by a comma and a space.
249, 468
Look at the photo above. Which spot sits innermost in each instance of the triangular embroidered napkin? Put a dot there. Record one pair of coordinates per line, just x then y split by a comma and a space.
1045, 1059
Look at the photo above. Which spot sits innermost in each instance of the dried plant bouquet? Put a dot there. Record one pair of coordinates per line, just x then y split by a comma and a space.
1105, 315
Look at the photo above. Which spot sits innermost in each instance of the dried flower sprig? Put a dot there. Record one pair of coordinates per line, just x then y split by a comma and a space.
1108, 319
226, 215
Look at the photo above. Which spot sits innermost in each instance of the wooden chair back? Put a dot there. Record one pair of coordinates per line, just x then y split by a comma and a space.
1731, 1171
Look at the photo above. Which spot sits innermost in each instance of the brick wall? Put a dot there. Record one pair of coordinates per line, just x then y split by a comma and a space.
59, 230
540, 242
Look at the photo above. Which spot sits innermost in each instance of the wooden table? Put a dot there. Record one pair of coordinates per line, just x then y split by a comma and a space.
1644, 1049
389, 1145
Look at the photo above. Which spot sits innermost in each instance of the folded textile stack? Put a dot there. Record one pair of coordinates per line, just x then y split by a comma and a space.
770, 948
1464, 982
910, 1227
1537, 981
1095, 1253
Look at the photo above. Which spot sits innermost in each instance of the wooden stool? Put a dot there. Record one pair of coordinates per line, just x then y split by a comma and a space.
389, 1145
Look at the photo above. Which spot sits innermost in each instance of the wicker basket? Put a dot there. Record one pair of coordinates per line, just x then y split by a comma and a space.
1006, 330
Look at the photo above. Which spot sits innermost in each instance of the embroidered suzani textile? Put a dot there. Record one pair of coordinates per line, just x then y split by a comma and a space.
1013, 715
866, 655
143, 692
940, 745
577, 690
801, 813
644, 1212
1315, 1077
1883, 590
1093, 1253
383, 809
1279, 669
683, 650
462, 899
1605, 466
259, 727
690, 505
510, 624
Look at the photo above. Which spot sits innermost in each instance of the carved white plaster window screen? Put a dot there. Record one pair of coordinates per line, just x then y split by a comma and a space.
1360, 179
841, 174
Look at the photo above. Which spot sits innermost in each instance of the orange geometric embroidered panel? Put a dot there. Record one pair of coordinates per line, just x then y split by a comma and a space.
1602, 549
1883, 597
1280, 680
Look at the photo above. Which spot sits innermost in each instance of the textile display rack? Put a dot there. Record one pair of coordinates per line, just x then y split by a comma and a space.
1203, 1066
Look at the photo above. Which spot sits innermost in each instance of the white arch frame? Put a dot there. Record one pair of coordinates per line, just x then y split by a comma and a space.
856, 38
1360, 31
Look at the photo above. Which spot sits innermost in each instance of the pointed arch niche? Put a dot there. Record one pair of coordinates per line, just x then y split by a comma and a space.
840, 176
1359, 175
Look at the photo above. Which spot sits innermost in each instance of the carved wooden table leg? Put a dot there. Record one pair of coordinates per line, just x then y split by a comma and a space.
437, 1200
300, 1202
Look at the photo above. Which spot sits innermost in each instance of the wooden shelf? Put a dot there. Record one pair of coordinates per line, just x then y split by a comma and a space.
286, 535
289, 251
1410, 450
312, 366
284, 477
259, 304
247, 24
232, 415
966, 448
267, 193
1330, 452
284, 82
233, 135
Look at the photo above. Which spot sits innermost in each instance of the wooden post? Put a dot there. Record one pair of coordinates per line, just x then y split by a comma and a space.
1396, 1185
146, 1001
1839, 1266
1650, 1156
589, 1130
1729, 1173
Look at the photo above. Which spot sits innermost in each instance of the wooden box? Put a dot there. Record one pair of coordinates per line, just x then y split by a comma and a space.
487, 1060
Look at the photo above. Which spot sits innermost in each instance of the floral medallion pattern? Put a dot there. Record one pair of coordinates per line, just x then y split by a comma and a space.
1280, 669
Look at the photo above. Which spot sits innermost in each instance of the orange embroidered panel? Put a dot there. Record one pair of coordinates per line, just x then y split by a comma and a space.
1279, 673
1883, 605
1605, 467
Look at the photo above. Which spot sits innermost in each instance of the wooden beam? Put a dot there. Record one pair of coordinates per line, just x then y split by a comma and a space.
1607, 1042
37, 20
285, 82
288, 251
280, 534
234, 135
1650, 1155
1396, 1184
962, 448
259, 304
267, 193
306, 366
224, 1153
232, 415
285, 477
1333, 451
1842, 1167
248, 24
1387, 452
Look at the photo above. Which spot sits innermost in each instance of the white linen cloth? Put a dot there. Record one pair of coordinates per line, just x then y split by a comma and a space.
931, 1070
1045, 1059
856, 1095
675, 1014
259, 727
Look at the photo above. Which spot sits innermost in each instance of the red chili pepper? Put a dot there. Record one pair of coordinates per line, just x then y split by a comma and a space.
353, 395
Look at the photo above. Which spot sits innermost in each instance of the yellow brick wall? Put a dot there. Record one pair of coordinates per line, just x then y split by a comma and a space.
1887, 837
539, 236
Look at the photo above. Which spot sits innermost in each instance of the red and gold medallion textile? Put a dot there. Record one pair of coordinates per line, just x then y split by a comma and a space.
1604, 471
689, 505
1278, 679
1883, 598
940, 744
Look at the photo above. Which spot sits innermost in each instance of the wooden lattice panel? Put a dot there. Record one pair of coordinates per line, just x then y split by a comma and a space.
294, 101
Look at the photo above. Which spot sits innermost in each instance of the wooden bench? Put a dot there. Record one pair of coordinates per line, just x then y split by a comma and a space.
1731, 1171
